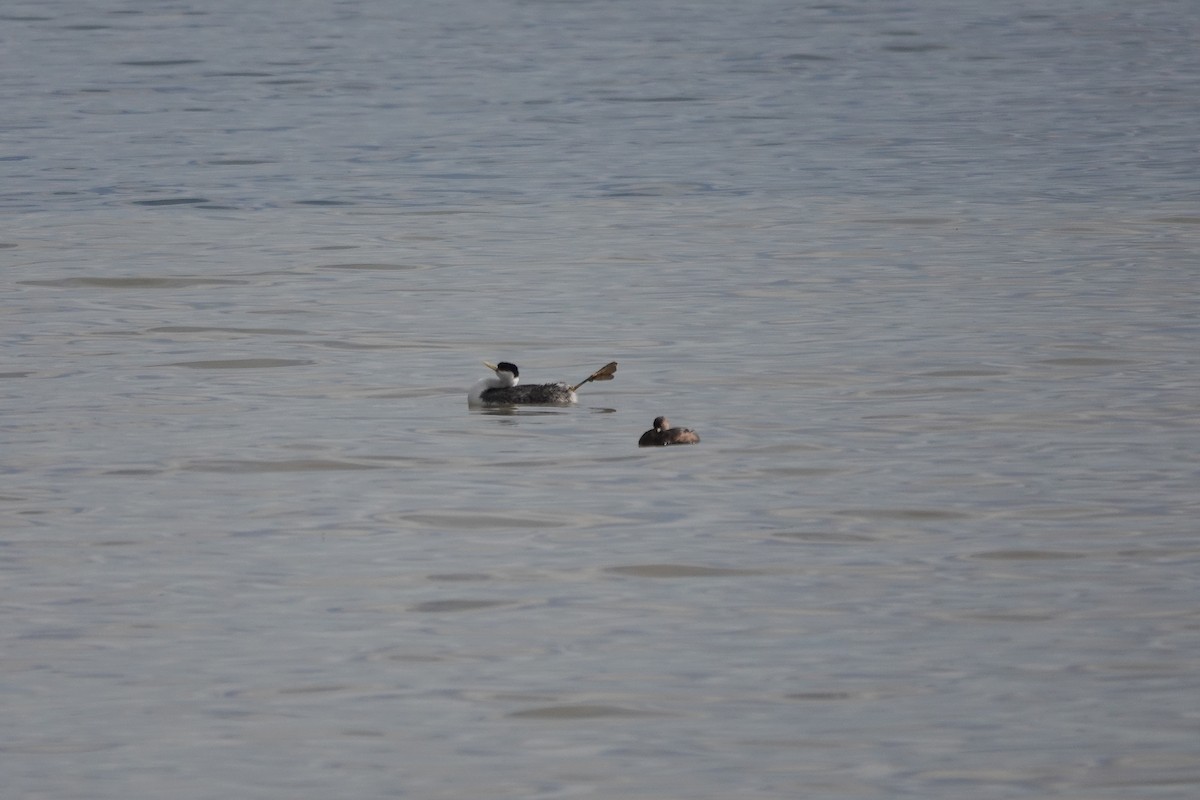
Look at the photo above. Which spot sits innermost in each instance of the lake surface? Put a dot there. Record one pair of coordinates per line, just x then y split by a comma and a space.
923, 275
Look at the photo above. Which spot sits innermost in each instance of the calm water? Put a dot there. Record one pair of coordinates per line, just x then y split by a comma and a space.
923, 275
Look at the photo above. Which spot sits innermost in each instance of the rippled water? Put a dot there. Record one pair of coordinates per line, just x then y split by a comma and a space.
923, 276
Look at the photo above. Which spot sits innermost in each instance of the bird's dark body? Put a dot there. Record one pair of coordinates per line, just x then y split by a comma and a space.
543, 394
662, 434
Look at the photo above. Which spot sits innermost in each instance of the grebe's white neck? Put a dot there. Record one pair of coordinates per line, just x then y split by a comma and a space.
503, 379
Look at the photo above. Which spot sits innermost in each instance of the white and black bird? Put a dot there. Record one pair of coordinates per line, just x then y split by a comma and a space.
503, 389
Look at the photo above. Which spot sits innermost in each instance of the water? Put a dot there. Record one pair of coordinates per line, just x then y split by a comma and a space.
922, 275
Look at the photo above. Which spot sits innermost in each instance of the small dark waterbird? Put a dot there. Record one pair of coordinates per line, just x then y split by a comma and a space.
662, 434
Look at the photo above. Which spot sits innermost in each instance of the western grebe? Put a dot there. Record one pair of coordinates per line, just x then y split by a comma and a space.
502, 389
663, 434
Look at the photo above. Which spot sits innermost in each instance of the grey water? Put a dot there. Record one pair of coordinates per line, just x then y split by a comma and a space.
924, 276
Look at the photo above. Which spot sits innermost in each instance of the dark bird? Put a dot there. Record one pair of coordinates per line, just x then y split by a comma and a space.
663, 434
